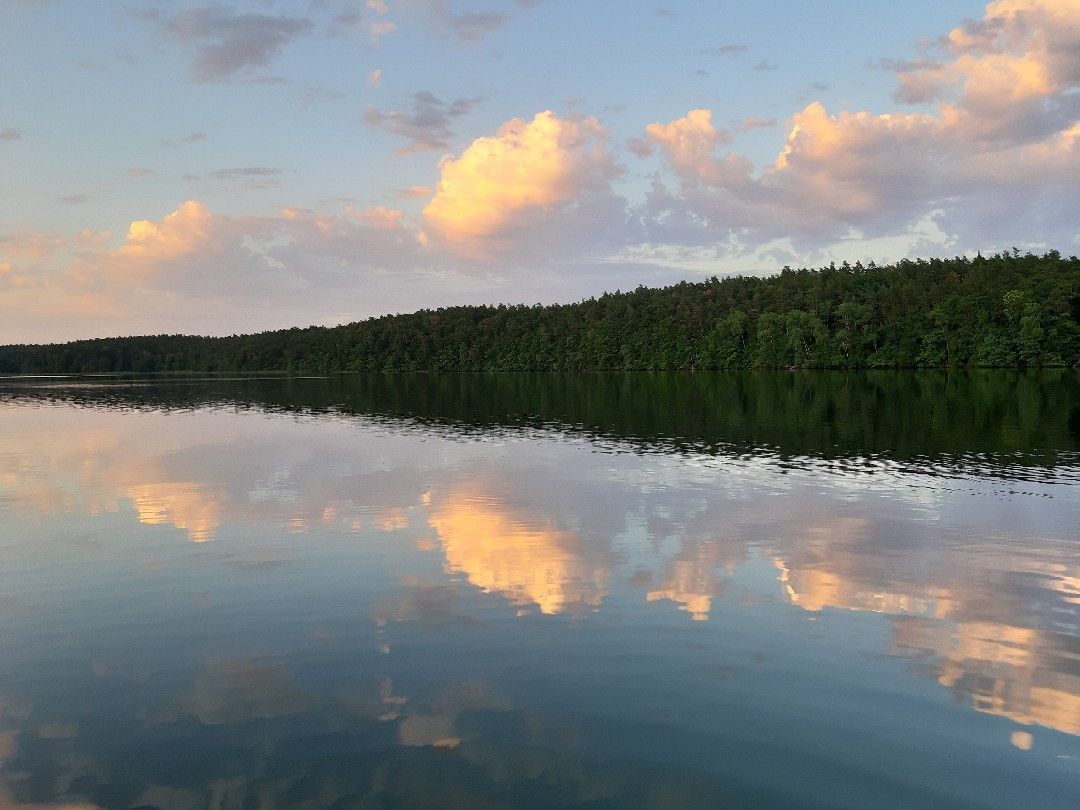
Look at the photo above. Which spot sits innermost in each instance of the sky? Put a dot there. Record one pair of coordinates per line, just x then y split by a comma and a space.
219, 168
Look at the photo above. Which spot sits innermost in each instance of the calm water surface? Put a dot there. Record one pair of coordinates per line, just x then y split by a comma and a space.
472, 591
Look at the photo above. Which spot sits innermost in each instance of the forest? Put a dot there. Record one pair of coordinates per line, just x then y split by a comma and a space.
1009, 310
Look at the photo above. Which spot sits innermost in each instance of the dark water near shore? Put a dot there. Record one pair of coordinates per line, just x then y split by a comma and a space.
812, 589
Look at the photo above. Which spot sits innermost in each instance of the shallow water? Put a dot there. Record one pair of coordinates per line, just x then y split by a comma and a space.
468, 590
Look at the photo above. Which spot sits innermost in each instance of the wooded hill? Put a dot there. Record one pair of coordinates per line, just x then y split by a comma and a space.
1008, 310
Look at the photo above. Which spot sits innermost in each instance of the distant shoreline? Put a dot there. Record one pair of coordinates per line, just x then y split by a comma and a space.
1004, 311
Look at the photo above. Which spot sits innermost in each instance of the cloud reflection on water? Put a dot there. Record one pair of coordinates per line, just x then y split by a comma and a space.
984, 607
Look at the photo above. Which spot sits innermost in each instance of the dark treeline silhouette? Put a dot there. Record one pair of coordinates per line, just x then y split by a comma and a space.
1005, 423
1009, 310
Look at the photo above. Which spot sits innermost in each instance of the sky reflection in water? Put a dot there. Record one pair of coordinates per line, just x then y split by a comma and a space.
225, 606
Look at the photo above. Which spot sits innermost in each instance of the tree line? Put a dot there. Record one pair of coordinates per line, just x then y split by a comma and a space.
1007, 310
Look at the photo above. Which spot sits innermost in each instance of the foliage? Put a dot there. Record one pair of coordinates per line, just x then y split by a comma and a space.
1009, 310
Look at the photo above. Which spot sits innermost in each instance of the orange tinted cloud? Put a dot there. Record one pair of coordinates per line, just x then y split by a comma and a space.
29, 244
1004, 88
525, 560
186, 230
417, 192
689, 142
836, 165
692, 581
383, 218
499, 180
186, 505
1002, 68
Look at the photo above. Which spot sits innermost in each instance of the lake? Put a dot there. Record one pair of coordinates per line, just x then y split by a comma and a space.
812, 589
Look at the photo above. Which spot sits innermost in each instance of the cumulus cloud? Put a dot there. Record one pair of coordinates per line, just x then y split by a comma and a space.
1011, 76
186, 230
427, 126
990, 158
226, 43
996, 156
195, 269
29, 244
688, 144
207, 254
369, 240
26, 260
191, 239
503, 183
198, 270
385, 219
852, 167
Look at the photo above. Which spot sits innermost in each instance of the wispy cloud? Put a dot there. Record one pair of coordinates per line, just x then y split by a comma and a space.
226, 43
413, 192
379, 29
349, 20
469, 26
244, 172
427, 125
251, 177
187, 140
731, 49
474, 27
10, 134
755, 122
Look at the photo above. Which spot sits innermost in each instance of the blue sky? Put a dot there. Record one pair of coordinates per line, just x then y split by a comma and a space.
244, 165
